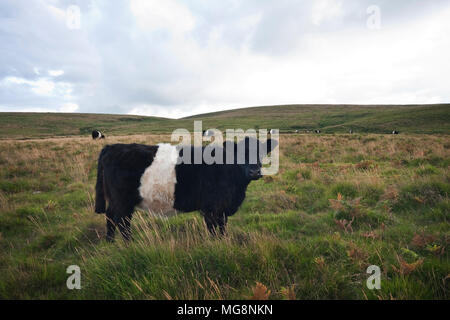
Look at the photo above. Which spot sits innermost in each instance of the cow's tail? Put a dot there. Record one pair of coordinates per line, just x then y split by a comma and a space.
100, 202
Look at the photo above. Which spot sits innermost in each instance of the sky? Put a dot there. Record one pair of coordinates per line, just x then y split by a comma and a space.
178, 58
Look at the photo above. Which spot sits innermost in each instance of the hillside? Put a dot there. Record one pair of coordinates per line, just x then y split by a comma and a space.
336, 118
40, 125
288, 118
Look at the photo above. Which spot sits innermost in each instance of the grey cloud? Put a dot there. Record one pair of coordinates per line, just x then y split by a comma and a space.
114, 65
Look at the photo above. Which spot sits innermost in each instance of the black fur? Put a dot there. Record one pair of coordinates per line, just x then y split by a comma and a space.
395, 132
216, 190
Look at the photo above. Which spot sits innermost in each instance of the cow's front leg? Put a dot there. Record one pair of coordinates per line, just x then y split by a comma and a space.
216, 223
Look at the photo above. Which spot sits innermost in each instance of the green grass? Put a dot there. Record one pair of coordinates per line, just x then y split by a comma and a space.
421, 119
287, 234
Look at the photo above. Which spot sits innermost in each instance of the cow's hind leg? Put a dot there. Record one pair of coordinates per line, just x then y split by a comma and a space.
110, 225
122, 219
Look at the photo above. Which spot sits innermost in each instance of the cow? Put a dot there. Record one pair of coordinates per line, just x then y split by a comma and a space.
395, 132
97, 135
351, 131
317, 131
152, 177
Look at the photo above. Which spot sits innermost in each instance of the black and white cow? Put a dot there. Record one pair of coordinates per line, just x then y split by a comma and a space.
395, 132
97, 135
317, 131
149, 177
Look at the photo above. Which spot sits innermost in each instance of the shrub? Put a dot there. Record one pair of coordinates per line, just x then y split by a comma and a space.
371, 194
427, 169
290, 175
346, 189
304, 174
422, 193
14, 187
311, 196
365, 165
352, 212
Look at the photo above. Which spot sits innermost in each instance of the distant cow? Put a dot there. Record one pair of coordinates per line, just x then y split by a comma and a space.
317, 131
395, 132
351, 131
97, 135
149, 177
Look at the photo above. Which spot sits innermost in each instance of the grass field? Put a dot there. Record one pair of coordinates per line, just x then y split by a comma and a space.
339, 204
421, 119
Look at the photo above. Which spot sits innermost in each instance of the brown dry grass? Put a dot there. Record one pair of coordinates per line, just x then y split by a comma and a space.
387, 194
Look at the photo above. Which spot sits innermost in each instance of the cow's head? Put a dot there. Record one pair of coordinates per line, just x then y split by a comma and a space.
248, 154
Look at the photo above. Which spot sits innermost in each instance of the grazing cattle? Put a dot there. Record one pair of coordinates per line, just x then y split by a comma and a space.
317, 131
131, 175
97, 135
395, 132
351, 131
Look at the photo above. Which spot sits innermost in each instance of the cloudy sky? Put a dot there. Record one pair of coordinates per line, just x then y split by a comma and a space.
176, 58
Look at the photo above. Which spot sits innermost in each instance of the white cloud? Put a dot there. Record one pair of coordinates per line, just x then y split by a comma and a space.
41, 86
69, 107
325, 9
175, 111
56, 73
168, 14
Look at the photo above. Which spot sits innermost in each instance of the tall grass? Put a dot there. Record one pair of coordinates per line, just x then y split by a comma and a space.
339, 204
